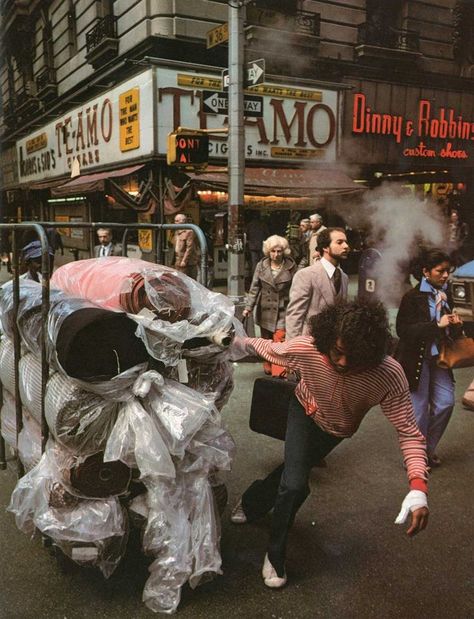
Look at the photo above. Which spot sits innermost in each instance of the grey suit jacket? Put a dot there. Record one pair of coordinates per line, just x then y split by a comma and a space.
115, 251
311, 292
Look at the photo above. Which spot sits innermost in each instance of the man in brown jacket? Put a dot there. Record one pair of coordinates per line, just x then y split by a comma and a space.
186, 252
319, 285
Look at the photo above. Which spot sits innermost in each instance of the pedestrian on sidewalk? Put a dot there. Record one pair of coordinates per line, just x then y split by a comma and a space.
317, 286
423, 319
345, 371
269, 292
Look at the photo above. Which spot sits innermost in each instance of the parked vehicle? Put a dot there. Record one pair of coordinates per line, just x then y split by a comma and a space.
462, 290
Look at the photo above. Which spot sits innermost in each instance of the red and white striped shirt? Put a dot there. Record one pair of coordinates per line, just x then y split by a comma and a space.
338, 402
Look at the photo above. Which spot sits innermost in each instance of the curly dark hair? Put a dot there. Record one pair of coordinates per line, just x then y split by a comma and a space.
362, 327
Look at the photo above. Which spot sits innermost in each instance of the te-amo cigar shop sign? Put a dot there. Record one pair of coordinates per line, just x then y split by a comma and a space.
109, 129
451, 131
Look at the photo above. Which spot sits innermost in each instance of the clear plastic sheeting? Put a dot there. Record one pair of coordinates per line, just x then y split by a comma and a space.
78, 419
100, 526
30, 384
29, 438
179, 412
119, 430
109, 282
7, 364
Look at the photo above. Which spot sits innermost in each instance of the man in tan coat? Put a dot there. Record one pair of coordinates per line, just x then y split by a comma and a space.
186, 252
316, 227
317, 286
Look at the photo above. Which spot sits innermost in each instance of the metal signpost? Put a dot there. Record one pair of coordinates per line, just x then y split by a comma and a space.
236, 162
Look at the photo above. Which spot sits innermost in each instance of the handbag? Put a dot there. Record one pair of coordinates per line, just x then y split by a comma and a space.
269, 408
458, 353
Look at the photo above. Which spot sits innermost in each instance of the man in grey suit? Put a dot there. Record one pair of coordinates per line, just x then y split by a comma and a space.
106, 247
319, 285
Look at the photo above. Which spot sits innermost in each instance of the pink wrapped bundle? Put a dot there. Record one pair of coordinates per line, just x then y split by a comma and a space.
123, 284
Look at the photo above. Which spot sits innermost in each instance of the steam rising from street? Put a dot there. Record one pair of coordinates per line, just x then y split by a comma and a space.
398, 222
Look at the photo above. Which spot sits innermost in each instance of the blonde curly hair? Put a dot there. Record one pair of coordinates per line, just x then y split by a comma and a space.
274, 241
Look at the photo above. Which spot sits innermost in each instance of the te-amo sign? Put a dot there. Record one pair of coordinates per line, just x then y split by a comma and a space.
444, 124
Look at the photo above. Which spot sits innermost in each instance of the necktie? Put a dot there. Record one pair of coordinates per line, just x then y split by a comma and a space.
440, 298
102, 251
336, 278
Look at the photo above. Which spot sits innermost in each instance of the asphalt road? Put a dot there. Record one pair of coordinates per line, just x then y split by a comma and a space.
346, 557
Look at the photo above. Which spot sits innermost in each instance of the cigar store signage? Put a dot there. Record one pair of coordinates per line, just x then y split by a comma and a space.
109, 129
298, 123
436, 133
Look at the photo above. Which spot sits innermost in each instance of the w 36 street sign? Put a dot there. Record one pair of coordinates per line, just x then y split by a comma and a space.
218, 103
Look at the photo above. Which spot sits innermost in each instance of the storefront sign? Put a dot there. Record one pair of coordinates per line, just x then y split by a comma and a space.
129, 103
432, 133
110, 129
297, 124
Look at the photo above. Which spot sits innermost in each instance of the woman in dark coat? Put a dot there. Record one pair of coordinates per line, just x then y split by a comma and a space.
269, 292
424, 317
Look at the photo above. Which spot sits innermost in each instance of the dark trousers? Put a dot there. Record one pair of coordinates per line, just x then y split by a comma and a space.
287, 487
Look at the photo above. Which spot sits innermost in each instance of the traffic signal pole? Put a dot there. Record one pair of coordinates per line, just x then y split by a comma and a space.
236, 157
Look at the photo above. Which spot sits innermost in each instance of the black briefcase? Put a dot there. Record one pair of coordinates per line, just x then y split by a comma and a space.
269, 408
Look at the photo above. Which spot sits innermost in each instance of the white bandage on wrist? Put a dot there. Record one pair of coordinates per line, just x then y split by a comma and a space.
413, 500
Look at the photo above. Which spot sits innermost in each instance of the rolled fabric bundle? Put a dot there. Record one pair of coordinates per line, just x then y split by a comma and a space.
127, 284
7, 364
29, 440
30, 384
94, 344
170, 298
91, 477
8, 418
78, 419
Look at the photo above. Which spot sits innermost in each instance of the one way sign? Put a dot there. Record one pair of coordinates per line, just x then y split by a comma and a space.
254, 73
218, 103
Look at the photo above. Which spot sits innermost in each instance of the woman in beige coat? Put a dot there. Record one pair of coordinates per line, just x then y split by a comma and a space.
269, 292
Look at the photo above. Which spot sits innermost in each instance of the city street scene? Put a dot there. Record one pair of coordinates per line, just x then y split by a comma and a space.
236, 309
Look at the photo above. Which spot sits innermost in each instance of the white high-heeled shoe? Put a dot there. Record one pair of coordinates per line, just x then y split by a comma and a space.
270, 577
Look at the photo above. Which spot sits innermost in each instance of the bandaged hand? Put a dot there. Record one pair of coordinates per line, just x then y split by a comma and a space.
414, 500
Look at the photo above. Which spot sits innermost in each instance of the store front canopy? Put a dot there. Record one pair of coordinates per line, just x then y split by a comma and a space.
283, 182
90, 182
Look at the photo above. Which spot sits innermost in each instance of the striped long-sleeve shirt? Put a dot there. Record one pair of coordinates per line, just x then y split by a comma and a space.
338, 402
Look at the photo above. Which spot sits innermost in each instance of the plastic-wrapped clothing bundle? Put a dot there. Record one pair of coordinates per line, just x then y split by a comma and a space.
179, 413
126, 284
210, 315
78, 419
126, 421
30, 293
29, 439
90, 532
84, 340
30, 384
211, 375
7, 364
90, 476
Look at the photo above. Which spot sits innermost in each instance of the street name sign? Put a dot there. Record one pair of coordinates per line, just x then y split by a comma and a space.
217, 35
218, 103
254, 73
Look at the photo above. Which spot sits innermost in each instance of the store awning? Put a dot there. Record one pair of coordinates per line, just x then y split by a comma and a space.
90, 182
284, 182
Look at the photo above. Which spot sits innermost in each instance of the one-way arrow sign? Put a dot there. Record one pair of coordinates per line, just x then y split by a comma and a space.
254, 73
218, 103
